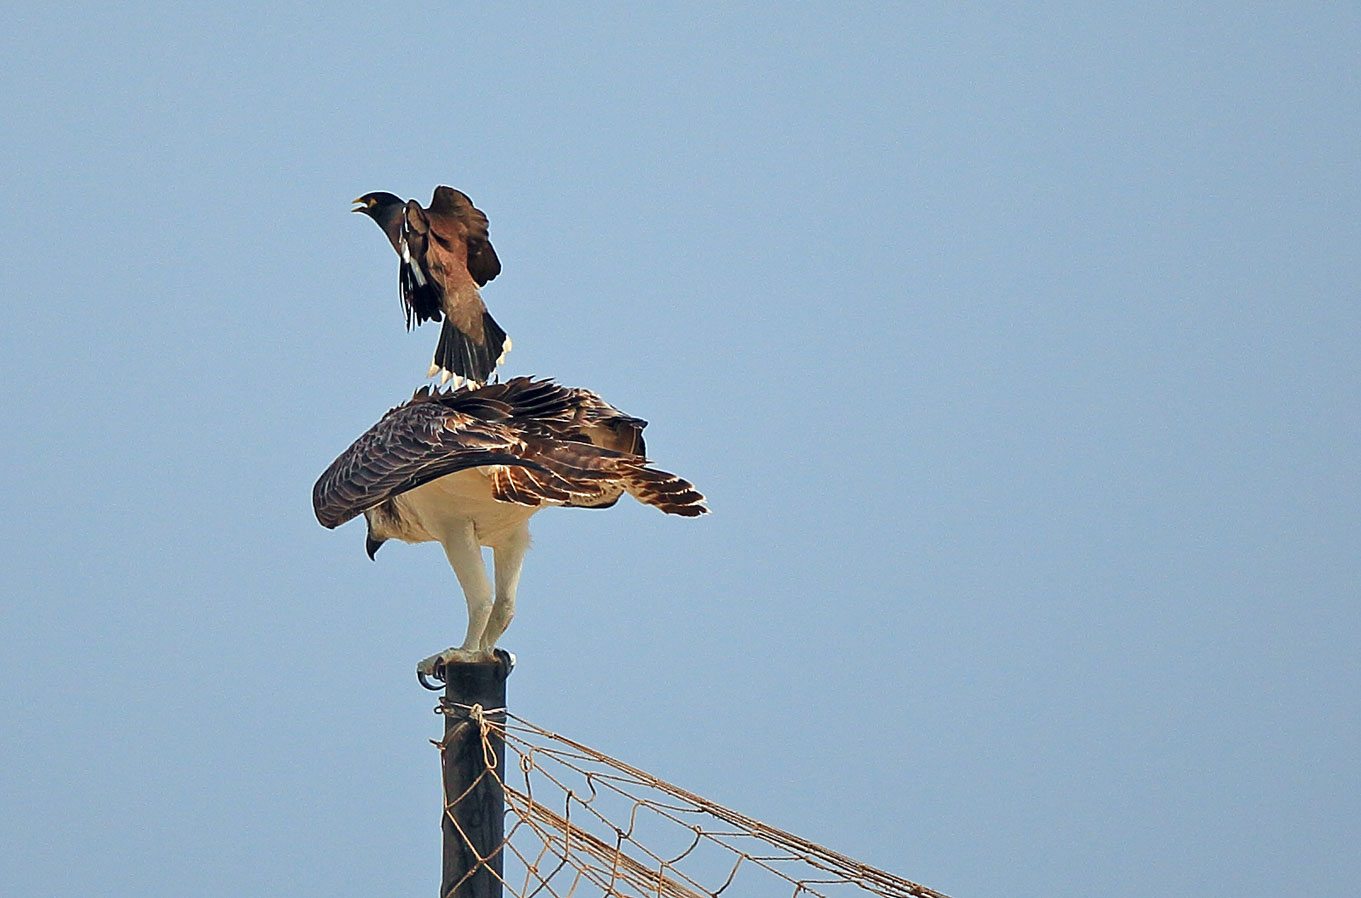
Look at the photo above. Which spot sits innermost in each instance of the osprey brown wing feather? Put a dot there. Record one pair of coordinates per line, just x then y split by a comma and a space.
542, 443
410, 445
663, 490
576, 418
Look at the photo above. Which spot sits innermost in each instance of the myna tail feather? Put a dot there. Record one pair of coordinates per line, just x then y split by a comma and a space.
460, 354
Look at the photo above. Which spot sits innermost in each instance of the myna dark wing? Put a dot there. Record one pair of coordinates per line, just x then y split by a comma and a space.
411, 445
471, 344
454, 218
422, 294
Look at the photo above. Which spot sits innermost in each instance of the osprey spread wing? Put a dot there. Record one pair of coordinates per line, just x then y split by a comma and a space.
446, 255
468, 468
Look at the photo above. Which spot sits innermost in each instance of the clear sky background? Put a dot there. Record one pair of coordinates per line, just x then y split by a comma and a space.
1016, 350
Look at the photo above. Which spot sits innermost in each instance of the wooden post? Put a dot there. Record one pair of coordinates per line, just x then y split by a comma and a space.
474, 801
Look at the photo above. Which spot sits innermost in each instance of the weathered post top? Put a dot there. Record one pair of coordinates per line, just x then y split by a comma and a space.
473, 821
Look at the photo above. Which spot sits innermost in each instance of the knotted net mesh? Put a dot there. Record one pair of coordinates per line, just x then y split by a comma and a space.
581, 823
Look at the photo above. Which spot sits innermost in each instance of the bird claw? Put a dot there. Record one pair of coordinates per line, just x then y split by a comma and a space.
433, 668
431, 671
424, 679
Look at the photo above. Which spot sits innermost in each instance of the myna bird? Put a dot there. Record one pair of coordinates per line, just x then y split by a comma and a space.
446, 255
468, 468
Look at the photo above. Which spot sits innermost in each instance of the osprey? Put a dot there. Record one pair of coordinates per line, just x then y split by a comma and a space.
446, 255
468, 468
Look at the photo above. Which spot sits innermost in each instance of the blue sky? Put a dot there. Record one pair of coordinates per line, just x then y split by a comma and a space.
1015, 349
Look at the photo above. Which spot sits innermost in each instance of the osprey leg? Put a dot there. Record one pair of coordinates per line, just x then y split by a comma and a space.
509, 556
465, 557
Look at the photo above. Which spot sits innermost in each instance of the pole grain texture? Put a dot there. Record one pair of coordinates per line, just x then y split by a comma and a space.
473, 819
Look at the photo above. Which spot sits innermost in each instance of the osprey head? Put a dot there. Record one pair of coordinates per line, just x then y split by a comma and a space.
372, 543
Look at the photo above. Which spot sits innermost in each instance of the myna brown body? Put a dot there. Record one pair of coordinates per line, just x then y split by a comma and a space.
446, 255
